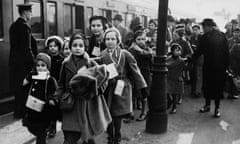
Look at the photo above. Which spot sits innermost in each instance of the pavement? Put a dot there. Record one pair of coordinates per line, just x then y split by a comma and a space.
187, 126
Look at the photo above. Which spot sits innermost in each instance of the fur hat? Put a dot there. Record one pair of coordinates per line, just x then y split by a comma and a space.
45, 58
87, 81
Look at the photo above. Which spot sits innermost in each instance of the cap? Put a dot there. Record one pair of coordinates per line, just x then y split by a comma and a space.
180, 27
208, 22
45, 58
25, 6
118, 17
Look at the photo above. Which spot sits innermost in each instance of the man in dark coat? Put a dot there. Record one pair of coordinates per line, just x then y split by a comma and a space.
213, 45
21, 59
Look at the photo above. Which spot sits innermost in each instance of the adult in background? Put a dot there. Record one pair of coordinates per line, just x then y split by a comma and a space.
22, 52
98, 25
213, 46
117, 20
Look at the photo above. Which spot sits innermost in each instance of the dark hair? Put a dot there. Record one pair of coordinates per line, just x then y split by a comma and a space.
175, 46
101, 18
74, 37
57, 42
153, 21
138, 33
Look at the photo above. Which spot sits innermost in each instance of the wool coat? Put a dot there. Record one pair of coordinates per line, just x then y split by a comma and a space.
22, 52
129, 72
43, 90
213, 46
175, 82
70, 67
94, 115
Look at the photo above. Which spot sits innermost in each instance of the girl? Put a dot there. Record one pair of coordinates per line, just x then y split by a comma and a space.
77, 60
54, 44
143, 55
122, 66
175, 83
97, 28
42, 87
66, 50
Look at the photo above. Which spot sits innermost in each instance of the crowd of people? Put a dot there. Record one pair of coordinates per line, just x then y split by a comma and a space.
91, 85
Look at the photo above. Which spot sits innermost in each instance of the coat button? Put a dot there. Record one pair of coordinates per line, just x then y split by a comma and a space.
35, 82
33, 90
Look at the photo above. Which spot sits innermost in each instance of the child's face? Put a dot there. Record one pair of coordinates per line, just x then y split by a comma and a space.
177, 52
53, 48
66, 50
97, 27
78, 47
141, 40
111, 40
41, 66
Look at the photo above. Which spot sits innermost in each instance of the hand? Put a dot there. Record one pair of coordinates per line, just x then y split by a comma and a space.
51, 102
25, 82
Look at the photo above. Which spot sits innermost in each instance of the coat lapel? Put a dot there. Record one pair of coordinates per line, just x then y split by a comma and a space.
71, 66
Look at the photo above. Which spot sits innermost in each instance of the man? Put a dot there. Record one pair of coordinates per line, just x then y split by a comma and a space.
23, 49
196, 69
117, 20
213, 46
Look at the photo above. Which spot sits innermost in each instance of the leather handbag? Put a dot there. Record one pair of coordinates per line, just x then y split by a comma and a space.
66, 101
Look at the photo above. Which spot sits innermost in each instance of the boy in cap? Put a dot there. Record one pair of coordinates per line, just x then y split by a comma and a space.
22, 52
42, 87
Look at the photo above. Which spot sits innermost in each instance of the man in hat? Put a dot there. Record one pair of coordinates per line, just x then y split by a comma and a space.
22, 52
117, 20
213, 46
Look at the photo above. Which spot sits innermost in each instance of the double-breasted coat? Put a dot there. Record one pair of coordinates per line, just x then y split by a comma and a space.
129, 72
21, 59
213, 46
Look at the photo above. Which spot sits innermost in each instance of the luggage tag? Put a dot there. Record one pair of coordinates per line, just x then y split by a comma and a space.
119, 88
112, 70
96, 51
41, 76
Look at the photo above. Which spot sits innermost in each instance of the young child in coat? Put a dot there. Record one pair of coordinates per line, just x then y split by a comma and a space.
42, 87
71, 65
175, 82
54, 44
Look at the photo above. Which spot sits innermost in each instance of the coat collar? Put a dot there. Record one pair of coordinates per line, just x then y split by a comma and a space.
71, 65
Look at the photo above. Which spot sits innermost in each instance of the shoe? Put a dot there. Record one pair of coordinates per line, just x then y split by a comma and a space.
217, 113
142, 117
117, 141
235, 96
129, 119
205, 109
179, 100
173, 111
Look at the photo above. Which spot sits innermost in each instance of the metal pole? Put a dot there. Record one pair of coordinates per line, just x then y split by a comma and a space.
157, 119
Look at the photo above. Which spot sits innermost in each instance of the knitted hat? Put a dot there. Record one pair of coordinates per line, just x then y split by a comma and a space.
59, 39
196, 26
180, 27
45, 58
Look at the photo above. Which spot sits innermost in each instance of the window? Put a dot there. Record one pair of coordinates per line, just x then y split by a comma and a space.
1, 20
79, 18
52, 18
89, 12
36, 20
67, 20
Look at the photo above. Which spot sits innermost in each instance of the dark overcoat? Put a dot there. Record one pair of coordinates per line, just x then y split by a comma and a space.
213, 45
22, 52
128, 70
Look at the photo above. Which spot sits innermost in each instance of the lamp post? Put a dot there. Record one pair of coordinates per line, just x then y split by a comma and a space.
157, 118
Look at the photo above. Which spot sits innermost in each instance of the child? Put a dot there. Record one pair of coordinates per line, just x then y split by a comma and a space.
77, 60
175, 83
143, 55
122, 67
42, 87
66, 50
54, 45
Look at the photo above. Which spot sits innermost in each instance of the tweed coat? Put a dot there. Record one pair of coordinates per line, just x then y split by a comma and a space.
69, 68
129, 72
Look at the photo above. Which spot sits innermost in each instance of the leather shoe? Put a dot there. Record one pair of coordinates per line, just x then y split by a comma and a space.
217, 113
205, 109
